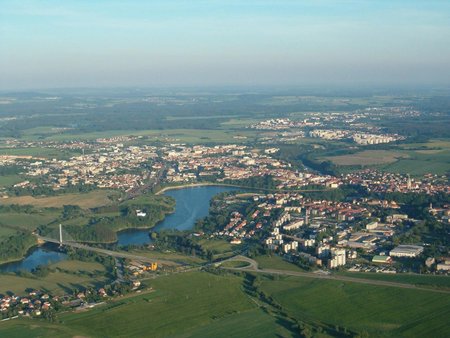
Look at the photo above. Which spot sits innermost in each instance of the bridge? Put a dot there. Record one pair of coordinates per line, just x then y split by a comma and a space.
102, 251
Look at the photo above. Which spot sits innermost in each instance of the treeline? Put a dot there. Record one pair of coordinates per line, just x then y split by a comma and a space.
91, 233
341, 194
180, 243
416, 205
16, 246
10, 170
27, 209
49, 191
257, 182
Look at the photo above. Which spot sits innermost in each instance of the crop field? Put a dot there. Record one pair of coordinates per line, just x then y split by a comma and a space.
419, 280
37, 152
169, 255
380, 311
414, 158
168, 135
418, 167
6, 231
219, 246
197, 304
84, 200
276, 262
78, 275
367, 157
26, 221
9, 180
205, 305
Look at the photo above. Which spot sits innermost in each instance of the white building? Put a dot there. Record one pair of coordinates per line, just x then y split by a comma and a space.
338, 258
406, 251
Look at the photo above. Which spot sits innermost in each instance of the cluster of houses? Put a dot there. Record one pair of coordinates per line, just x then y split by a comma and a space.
32, 305
385, 182
322, 232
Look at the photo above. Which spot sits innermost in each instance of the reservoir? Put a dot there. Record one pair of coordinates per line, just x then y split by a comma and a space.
191, 204
37, 256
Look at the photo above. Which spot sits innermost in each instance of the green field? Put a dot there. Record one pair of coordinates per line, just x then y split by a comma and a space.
187, 305
367, 157
9, 180
276, 262
27, 221
419, 280
170, 256
91, 199
217, 246
48, 153
199, 304
413, 158
169, 135
381, 311
78, 275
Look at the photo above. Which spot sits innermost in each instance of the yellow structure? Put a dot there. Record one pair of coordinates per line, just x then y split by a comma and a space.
152, 267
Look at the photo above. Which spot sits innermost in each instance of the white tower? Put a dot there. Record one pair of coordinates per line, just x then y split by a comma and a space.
60, 235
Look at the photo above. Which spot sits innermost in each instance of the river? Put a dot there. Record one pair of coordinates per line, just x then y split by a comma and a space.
191, 204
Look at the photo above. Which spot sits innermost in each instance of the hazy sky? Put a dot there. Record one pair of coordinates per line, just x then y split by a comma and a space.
46, 44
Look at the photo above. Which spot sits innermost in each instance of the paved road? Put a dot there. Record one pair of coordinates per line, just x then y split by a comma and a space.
109, 252
253, 267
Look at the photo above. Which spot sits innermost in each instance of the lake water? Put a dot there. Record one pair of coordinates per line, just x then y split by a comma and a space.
191, 205
37, 256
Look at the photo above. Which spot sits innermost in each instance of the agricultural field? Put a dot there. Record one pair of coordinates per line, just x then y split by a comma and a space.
170, 135
413, 158
91, 199
204, 305
27, 221
9, 180
218, 246
197, 304
367, 158
169, 256
431, 281
275, 262
65, 276
381, 311
36, 152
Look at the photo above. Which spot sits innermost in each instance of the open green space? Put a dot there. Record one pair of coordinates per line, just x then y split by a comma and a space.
65, 276
379, 311
91, 199
206, 305
217, 246
419, 280
6, 231
367, 157
412, 158
171, 135
39, 152
177, 257
196, 304
9, 180
27, 221
275, 262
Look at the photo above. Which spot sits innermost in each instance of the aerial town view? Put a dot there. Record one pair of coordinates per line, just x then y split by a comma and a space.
224, 169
